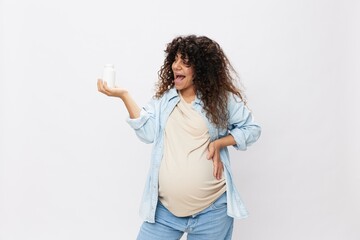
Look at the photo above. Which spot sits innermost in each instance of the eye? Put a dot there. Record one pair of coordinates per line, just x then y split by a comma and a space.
186, 62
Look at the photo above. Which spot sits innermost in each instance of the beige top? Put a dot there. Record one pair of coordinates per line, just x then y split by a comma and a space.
186, 182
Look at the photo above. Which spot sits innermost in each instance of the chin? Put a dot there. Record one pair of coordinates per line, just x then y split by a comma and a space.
178, 87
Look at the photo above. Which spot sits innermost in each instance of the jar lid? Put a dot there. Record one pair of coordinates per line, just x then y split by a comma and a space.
108, 65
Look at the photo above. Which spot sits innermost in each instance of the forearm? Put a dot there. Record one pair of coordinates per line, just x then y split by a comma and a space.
131, 106
224, 142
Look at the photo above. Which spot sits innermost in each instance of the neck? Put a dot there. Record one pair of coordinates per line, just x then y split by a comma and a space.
188, 96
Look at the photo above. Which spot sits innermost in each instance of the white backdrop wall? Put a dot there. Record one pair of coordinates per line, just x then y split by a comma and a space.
71, 168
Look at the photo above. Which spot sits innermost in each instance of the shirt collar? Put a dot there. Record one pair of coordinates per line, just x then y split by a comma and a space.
173, 93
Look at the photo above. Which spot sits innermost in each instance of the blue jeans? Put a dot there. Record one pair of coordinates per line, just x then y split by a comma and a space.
210, 224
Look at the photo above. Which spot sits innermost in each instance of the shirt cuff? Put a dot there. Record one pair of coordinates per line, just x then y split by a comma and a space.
137, 123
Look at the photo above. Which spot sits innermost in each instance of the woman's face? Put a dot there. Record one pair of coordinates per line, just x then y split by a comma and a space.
183, 76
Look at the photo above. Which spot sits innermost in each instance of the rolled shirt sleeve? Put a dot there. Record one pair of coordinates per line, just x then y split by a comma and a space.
144, 125
241, 124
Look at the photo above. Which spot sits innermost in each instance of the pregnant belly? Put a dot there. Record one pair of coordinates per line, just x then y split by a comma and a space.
191, 187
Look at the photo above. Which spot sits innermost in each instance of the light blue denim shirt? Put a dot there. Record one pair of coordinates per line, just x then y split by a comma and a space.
149, 127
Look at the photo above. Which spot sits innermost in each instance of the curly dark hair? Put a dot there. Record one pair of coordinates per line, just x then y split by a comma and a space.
214, 76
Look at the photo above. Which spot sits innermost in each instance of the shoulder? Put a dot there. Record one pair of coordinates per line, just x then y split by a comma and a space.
169, 95
234, 100
165, 98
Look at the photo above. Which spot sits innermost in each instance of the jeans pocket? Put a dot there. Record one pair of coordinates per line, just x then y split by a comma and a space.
220, 202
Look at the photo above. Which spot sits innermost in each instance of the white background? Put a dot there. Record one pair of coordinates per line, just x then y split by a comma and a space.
70, 166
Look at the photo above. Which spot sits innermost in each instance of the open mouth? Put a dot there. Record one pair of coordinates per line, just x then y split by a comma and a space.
178, 78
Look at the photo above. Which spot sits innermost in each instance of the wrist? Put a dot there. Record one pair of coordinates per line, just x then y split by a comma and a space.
124, 95
217, 144
224, 142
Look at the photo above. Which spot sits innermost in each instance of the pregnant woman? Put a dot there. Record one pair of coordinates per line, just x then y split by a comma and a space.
197, 112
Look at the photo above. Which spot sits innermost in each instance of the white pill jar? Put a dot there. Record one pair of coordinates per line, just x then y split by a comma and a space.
109, 75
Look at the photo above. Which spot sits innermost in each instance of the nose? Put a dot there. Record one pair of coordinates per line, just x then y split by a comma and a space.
176, 64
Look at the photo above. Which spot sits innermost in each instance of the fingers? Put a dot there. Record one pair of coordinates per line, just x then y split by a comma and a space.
210, 154
218, 170
214, 155
211, 151
218, 166
99, 83
100, 86
103, 88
